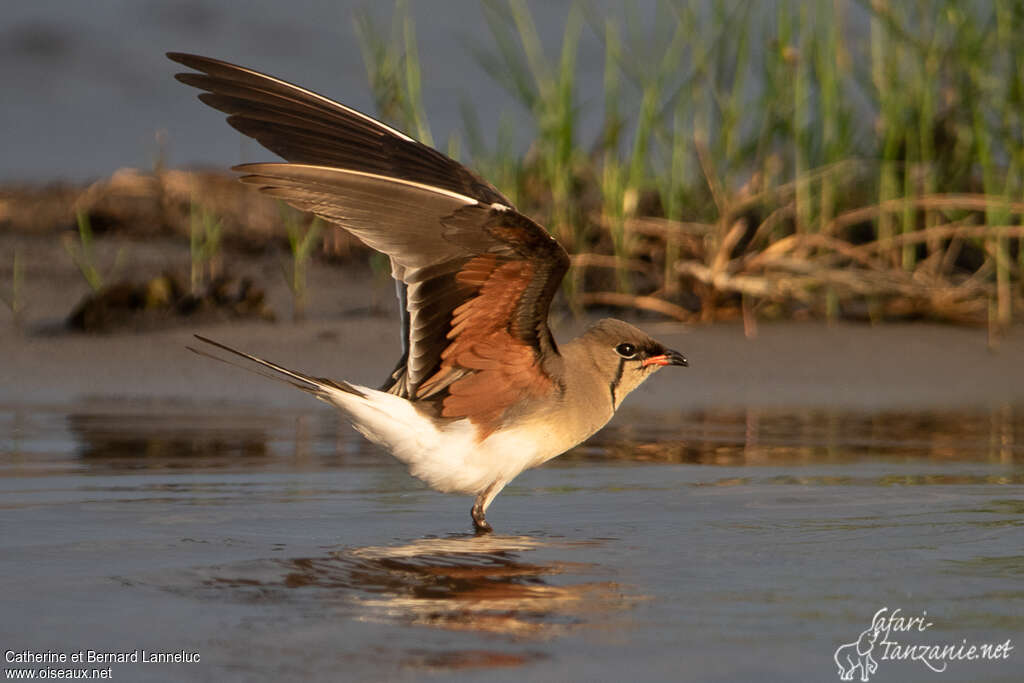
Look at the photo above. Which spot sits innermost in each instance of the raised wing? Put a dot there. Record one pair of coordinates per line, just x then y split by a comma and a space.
478, 276
480, 279
306, 128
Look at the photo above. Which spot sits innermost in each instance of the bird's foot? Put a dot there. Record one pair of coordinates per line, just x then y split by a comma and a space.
480, 521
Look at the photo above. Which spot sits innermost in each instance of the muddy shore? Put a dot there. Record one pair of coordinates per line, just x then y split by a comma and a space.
350, 332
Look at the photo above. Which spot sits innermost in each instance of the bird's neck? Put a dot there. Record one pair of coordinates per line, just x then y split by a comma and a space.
588, 398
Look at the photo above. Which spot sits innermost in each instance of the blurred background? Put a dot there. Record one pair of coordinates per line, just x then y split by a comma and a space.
820, 203
704, 161
87, 86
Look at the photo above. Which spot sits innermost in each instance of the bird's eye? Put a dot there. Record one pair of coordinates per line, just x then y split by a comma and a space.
626, 350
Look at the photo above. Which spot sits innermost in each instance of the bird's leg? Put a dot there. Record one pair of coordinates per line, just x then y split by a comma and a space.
479, 517
480, 505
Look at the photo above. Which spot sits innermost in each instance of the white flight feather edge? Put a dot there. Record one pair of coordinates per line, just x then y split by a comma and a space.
258, 171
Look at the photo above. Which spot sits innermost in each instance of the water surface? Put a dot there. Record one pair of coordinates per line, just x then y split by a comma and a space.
731, 545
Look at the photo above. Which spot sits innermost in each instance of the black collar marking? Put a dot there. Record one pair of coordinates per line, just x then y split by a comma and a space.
614, 384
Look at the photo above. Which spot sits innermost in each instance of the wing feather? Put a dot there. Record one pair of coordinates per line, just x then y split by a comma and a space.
477, 277
307, 128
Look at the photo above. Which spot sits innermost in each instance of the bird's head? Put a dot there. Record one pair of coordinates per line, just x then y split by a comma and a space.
626, 355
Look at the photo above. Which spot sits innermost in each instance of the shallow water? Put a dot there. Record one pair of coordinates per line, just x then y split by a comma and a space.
732, 545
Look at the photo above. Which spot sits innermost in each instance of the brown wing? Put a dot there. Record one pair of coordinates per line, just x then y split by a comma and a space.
500, 349
486, 367
306, 128
478, 277
480, 280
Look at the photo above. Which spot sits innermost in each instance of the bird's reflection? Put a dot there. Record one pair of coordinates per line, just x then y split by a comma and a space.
493, 584
156, 441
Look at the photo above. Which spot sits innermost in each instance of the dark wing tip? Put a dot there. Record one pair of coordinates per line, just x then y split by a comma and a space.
188, 78
184, 58
197, 62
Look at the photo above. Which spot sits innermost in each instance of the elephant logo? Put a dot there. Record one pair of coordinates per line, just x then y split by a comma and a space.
857, 655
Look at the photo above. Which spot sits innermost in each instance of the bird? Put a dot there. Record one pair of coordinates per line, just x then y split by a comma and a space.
482, 390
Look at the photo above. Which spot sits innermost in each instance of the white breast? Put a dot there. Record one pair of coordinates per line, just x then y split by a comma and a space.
449, 458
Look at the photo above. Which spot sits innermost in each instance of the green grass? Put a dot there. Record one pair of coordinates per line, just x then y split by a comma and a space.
393, 68
302, 239
205, 232
83, 254
840, 158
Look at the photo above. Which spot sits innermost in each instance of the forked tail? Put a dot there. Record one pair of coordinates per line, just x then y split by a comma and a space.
313, 385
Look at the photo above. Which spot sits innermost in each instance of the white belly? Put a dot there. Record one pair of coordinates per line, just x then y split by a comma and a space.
449, 459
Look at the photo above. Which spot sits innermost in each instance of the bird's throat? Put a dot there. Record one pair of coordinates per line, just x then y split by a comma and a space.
613, 386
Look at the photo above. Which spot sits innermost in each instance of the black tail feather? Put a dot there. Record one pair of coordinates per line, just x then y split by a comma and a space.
313, 385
